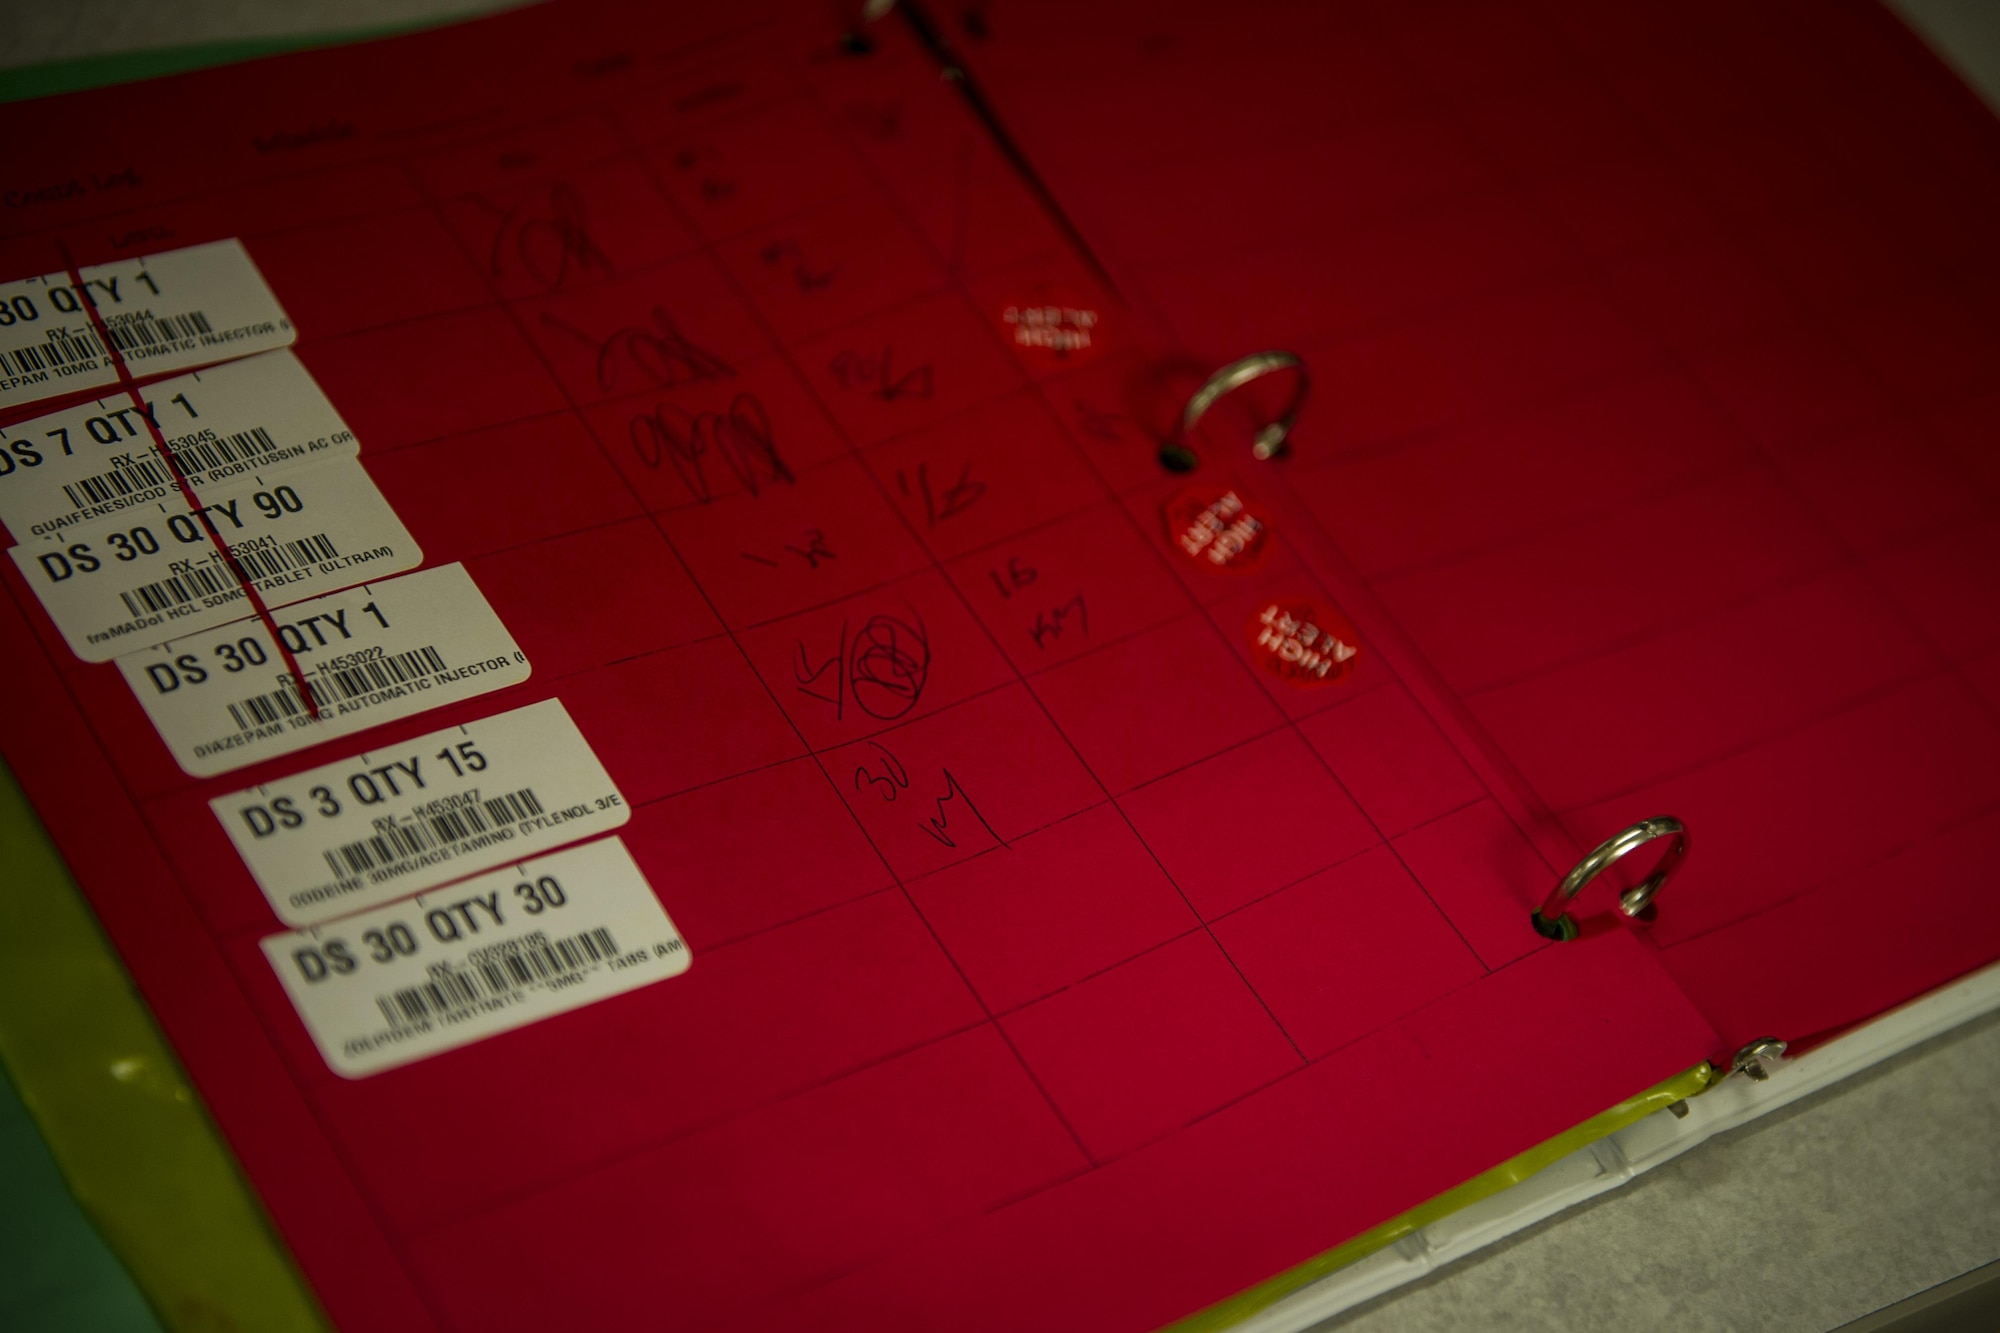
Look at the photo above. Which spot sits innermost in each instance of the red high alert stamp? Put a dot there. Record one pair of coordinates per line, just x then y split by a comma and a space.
1057, 327
1218, 531
1302, 643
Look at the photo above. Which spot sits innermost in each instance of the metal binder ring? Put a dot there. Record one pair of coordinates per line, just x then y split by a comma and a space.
1269, 441
1552, 917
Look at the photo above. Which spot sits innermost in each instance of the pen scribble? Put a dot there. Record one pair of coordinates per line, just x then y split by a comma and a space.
739, 437
661, 353
547, 234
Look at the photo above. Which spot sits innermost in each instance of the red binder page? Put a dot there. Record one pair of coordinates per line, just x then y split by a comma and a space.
1056, 962
1657, 375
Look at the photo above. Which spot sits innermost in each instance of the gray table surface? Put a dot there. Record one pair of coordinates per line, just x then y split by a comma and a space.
1807, 1220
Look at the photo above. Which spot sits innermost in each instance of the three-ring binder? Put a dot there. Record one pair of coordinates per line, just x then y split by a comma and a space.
1176, 455
1552, 918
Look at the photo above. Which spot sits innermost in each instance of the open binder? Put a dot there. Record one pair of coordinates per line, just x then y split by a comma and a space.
1212, 622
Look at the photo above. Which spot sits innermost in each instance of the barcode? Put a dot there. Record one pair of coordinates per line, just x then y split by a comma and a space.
379, 673
351, 682
182, 588
259, 562
125, 479
505, 970
261, 710
63, 348
189, 455
244, 446
263, 562
395, 842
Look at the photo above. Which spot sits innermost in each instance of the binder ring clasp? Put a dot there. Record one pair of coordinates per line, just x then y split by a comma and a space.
1269, 441
1552, 918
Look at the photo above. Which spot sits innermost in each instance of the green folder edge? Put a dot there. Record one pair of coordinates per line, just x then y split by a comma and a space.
127, 1132
131, 1137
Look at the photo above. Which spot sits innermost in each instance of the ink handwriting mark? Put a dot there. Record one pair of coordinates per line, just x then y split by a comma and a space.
804, 277
893, 780
546, 234
806, 675
814, 551
1018, 576
877, 376
890, 665
662, 353
937, 824
740, 437
881, 669
712, 185
956, 498
1052, 624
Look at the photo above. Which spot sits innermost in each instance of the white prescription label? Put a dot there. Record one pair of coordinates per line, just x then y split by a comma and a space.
154, 573
478, 957
391, 822
164, 312
222, 699
97, 459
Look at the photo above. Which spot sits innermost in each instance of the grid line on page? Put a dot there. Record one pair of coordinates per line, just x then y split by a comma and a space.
810, 752
1888, 689
706, 248
1853, 561
1292, 725
1312, 1061
1104, 787
1965, 819
987, 629
1850, 558
1912, 624
1289, 725
887, 864
642, 1147
253, 931
638, 1148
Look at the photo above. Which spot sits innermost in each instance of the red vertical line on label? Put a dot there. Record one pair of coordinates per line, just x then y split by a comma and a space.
131, 387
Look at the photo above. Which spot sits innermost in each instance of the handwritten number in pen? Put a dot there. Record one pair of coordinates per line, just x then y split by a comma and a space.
955, 499
1018, 577
894, 778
